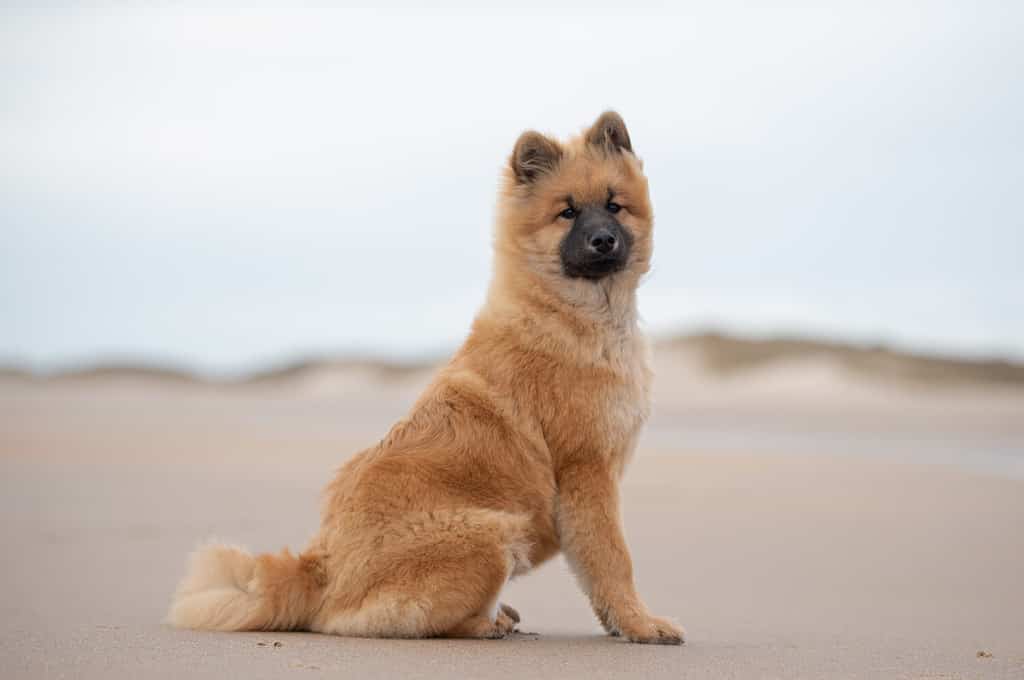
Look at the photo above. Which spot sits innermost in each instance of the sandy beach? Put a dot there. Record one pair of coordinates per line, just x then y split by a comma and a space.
798, 519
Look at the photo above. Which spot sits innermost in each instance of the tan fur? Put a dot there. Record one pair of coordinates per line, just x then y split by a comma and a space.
513, 453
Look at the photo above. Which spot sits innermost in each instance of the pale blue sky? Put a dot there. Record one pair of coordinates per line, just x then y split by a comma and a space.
222, 189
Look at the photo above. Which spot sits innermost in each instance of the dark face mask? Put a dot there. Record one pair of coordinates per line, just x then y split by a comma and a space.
596, 246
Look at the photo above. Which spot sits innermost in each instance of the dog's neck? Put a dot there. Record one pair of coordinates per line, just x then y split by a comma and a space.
584, 309
609, 303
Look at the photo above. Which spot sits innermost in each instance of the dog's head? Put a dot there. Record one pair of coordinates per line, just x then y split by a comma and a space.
578, 210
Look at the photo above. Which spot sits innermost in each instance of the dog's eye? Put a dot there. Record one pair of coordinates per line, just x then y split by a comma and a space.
613, 207
568, 214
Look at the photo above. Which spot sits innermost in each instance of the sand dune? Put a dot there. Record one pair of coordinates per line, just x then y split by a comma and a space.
714, 354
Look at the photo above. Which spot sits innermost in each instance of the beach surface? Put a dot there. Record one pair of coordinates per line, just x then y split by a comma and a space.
799, 520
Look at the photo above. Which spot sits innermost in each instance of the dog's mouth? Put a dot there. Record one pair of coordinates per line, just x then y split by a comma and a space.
594, 269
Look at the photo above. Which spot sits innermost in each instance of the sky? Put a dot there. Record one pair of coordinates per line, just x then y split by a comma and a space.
220, 189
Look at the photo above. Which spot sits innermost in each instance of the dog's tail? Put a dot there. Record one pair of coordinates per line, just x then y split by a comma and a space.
227, 588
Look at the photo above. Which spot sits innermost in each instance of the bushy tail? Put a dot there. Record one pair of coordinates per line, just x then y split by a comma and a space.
227, 588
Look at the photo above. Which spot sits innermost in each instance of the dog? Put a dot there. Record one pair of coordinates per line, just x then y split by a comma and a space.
512, 454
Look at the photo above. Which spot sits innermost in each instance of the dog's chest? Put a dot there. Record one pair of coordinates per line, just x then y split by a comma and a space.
598, 409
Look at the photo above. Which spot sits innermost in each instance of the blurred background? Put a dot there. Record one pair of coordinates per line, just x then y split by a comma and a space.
302, 198
224, 189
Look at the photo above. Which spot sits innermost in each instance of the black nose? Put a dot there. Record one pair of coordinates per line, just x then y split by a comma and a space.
602, 241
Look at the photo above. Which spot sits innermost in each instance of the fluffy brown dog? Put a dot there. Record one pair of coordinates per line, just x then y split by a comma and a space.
513, 453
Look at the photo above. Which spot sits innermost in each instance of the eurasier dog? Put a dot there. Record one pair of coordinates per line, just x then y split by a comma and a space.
513, 453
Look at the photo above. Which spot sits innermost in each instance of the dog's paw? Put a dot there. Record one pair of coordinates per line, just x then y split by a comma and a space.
653, 630
506, 620
509, 612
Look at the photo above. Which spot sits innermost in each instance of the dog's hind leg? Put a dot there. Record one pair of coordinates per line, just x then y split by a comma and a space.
447, 586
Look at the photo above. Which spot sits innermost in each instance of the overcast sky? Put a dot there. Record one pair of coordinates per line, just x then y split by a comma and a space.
226, 188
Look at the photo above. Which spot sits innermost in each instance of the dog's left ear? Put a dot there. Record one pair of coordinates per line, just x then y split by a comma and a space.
609, 132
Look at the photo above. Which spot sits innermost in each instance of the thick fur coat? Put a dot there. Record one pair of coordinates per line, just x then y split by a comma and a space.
512, 454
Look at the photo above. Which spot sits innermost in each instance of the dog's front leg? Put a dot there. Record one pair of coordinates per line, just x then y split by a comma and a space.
591, 537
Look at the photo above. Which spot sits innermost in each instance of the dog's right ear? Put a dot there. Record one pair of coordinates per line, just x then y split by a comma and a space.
533, 156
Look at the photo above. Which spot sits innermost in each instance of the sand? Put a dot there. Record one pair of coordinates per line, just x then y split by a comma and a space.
796, 523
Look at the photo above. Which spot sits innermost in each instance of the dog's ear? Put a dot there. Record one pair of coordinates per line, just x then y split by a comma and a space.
533, 156
609, 132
